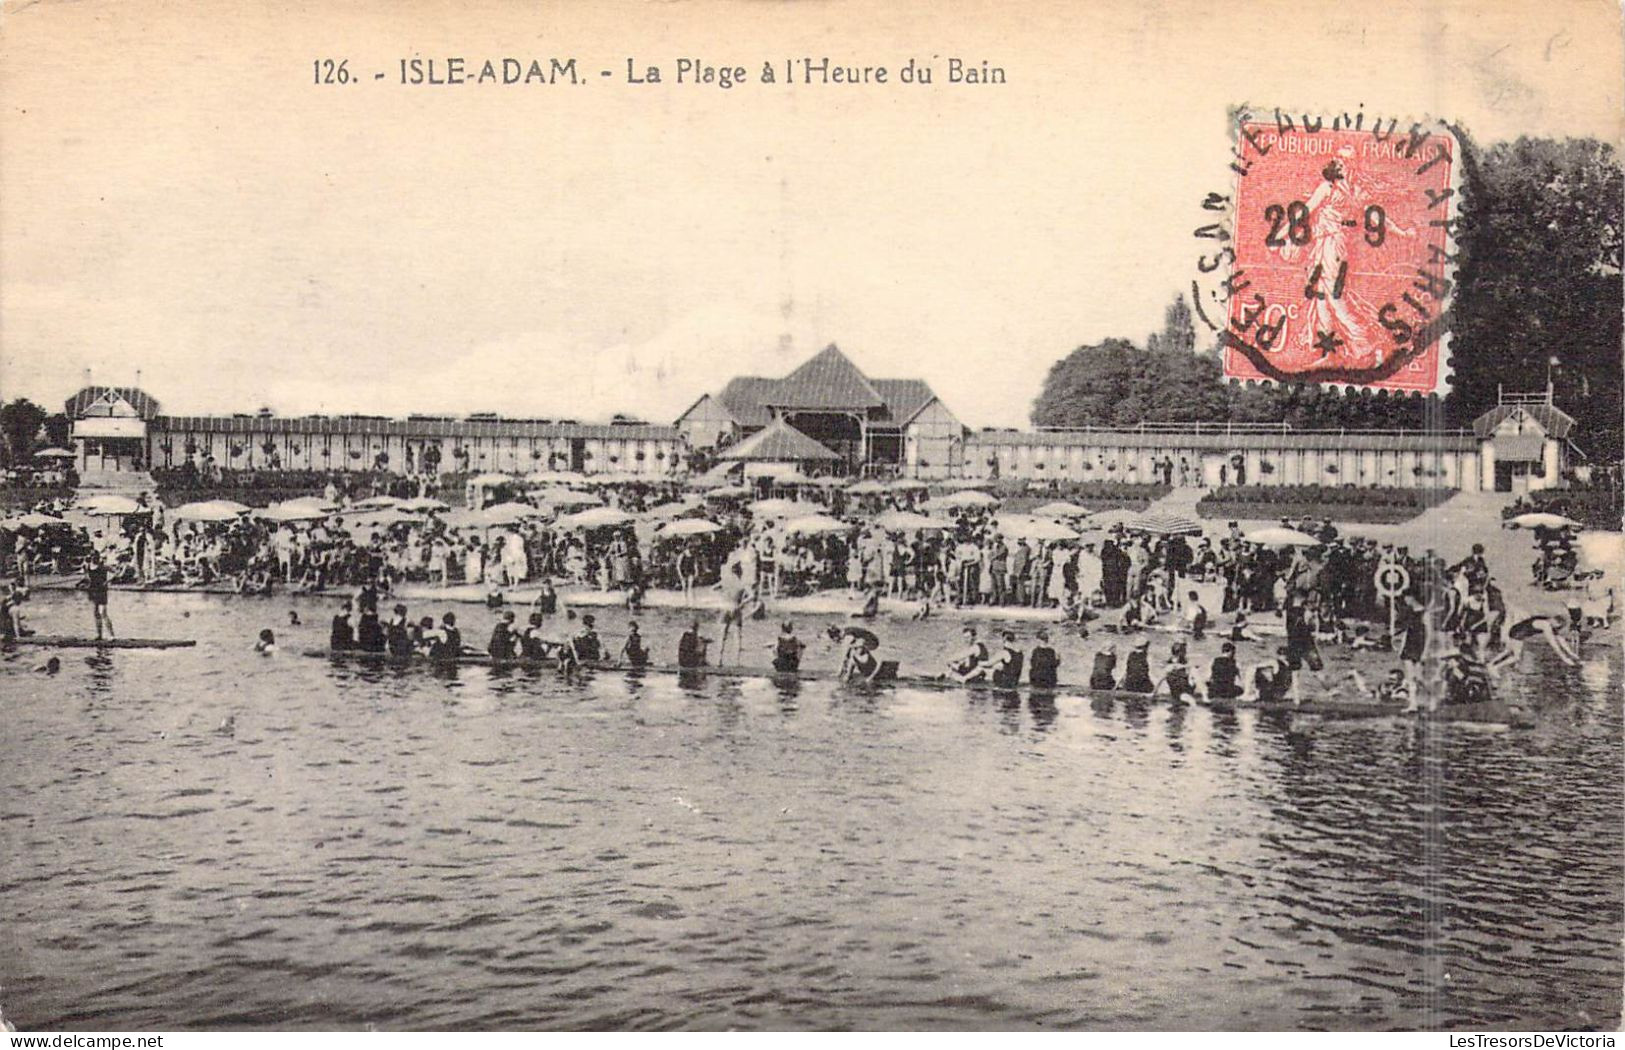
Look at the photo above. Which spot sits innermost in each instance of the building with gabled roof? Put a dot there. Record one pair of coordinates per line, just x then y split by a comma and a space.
125, 402
121, 431
1521, 445
871, 425
779, 442
1525, 442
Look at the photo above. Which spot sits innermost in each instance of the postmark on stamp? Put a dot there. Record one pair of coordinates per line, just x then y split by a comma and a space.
1339, 252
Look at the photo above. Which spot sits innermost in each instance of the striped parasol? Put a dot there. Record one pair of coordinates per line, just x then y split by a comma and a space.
1166, 523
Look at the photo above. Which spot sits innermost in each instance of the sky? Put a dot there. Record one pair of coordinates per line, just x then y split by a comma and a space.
179, 201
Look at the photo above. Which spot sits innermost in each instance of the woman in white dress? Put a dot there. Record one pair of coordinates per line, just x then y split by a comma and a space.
514, 562
1057, 574
474, 564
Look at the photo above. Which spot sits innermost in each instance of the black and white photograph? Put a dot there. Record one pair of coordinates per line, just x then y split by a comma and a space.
811, 516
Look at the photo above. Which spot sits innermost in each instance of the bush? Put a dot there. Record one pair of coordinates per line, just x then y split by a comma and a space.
1593, 508
1373, 504
1095, 495
18, 497
264, 487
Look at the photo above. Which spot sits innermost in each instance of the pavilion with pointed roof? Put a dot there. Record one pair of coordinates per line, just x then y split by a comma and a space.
869, 425
779, 442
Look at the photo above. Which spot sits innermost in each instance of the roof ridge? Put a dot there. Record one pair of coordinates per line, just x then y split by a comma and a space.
827, 380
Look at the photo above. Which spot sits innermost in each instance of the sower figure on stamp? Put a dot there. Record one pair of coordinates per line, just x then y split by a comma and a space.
1334, 208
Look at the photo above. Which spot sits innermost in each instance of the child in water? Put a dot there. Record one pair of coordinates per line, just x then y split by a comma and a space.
267, 643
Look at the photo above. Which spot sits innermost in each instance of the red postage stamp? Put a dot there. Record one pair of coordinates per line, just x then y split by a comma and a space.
1343, 256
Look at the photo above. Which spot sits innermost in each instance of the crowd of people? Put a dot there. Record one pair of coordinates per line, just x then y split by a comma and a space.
1323, 587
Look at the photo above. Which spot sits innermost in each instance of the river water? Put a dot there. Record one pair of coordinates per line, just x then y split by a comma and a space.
207, 838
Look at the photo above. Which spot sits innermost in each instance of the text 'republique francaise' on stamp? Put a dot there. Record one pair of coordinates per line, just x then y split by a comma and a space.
1332, 259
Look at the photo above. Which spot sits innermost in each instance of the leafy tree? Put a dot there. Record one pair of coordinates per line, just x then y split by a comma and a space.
58, 428
1115, 383
20, 423
1178, 328
1539, 280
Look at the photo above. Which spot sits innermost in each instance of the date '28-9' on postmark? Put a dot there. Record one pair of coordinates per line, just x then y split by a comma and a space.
1343, 264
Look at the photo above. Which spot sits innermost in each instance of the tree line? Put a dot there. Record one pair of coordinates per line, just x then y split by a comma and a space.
25, 428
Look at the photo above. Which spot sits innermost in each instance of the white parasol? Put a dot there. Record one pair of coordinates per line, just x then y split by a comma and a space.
1281, 536
688, 527
595, 518
816, 525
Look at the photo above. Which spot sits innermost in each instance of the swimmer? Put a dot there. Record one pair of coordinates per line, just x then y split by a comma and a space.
859, 663
50, 667
971, 662
1395, 688
267, 643
633, 652
1537, 626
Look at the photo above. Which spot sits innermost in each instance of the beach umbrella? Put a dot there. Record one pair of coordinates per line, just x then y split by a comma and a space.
866, 488
290, 512
903, 521
423, 503
507, 514
1116, 516
1281, 536
816, 525
313, 502
376, 503
1541, 520
566, 499
676, 509
382, 518
31, 520
111, 505
54, 453
729, 492
966, 498
775, 508
1019, 526
491, 478
461, 518
689, 527
207, 510
959, 484
1061, 509
907, 485
232, 505
1166, 523
595, 518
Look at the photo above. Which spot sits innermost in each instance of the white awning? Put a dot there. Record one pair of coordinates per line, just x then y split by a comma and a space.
1518, 448
109, 427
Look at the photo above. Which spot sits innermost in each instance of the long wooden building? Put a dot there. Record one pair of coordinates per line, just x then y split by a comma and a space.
827, 417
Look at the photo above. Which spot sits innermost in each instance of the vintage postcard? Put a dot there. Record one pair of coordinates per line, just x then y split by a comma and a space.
826, 516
